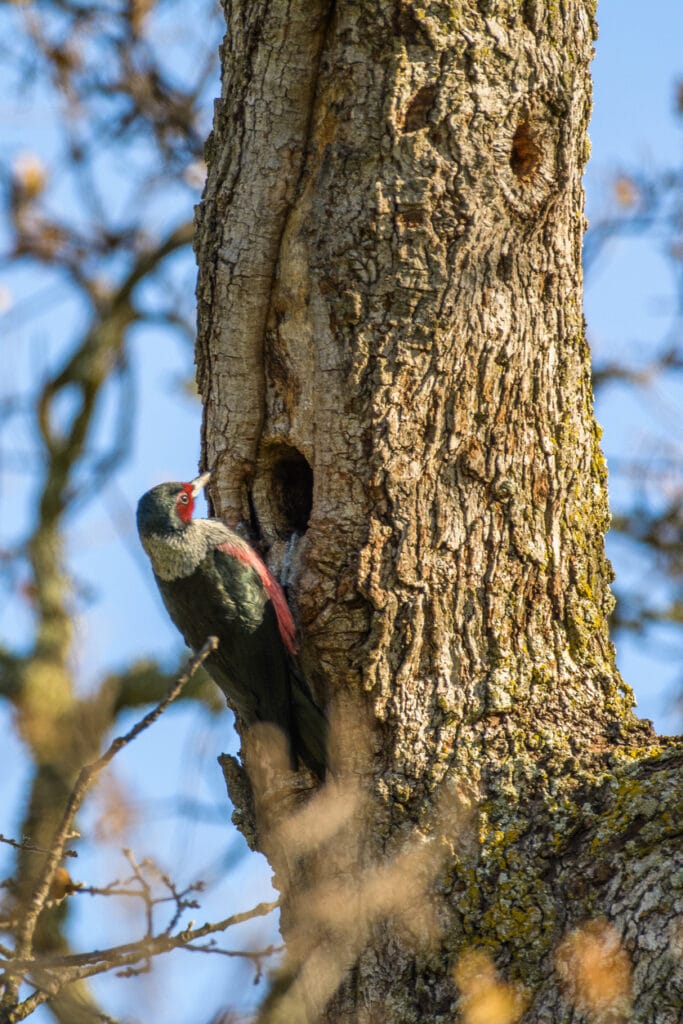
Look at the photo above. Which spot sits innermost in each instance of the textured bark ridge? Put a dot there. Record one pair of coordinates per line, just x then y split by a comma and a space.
397, 390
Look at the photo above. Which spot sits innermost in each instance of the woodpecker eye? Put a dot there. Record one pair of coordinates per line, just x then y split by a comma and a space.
184, 499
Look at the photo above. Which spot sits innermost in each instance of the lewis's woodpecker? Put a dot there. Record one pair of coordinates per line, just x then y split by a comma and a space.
214, 584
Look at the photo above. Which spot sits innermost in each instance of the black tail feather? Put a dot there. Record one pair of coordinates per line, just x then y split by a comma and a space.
309, 727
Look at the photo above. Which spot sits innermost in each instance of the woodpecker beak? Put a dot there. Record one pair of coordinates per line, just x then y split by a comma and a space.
200, 483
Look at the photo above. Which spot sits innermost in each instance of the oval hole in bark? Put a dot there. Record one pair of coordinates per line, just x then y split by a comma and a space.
291, 490
526, 153
418, 109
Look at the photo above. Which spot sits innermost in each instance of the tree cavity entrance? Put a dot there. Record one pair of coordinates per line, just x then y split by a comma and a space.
417, 115
283, 491
525, 155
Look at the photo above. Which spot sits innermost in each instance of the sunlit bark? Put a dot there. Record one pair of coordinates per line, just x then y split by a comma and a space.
394, 369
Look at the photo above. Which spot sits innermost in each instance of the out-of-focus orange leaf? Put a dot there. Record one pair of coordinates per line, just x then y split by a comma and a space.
485, 998
29, 174
596, 969
626, 191
62, 885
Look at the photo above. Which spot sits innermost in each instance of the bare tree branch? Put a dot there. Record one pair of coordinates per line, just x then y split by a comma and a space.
85, 779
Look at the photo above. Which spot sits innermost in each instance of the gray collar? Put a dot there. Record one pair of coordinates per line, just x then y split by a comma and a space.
177, 555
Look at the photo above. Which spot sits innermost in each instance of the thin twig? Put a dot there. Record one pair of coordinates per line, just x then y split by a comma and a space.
85, 965
131, 952
245, 954
145, 890
25, 844
86, 777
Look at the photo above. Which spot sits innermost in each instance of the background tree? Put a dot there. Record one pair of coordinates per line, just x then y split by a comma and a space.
97, 239
96, 233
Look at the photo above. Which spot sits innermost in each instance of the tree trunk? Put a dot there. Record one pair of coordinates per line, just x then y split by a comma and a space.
398, 405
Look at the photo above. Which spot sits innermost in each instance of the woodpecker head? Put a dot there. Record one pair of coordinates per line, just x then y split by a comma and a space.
167, 508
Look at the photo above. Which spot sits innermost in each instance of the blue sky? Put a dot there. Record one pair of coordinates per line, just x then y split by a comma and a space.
629, 296
639, 58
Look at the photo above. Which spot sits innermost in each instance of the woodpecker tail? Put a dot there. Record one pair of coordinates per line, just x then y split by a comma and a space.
309, 726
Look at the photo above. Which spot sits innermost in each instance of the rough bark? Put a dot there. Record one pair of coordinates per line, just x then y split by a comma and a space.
397, 390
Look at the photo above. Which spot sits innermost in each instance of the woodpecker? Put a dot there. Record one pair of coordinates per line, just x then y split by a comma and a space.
213, 583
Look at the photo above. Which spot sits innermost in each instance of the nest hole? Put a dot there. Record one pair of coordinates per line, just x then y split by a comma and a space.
289, 483
417, 115
526, 153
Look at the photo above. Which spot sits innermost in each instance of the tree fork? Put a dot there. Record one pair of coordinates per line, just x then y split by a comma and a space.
391, 330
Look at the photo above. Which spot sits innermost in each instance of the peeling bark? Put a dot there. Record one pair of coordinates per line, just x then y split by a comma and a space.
397, 390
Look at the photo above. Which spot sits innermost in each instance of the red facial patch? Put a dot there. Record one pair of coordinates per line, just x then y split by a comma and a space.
185, 503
